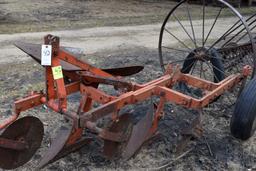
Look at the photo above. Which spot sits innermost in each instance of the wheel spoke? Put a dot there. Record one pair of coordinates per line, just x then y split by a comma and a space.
184, 29
204, 74
203, 23
191, 24
192, 63
245, 33
225, 60
180, 50
177, 39
201, 68
224, 36
237, 33
212, 66
212, 71
182, 60
217, 69
192, 70
216, 18
229, 31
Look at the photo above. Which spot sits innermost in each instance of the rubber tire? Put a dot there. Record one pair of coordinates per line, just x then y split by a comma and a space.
242, 124
217, 62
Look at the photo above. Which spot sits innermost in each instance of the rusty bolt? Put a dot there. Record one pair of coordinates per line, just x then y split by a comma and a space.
184, 102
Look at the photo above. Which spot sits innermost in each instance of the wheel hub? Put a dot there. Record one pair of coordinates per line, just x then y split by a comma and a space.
201, 54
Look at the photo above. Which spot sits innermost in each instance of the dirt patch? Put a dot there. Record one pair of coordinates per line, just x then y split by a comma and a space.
17, 16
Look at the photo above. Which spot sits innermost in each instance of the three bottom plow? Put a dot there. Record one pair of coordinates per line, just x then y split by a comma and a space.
122, 136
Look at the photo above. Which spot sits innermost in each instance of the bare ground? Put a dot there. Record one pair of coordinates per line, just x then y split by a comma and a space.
112, 47
30, 16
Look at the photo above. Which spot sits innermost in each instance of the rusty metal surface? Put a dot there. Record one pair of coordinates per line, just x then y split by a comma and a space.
112, 149
57, 145
12, 144
234, 55
71, 148
28, 130
194, 130
34, 50
118, 83
139, 134
124, 71
105, 133
34, 99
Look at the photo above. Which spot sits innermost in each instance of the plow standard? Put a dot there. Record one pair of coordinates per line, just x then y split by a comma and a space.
231, 64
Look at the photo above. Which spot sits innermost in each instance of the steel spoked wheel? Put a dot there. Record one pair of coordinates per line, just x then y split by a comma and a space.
208, 42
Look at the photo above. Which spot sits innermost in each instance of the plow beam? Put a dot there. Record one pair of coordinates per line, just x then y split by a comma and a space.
160, 88
28, 102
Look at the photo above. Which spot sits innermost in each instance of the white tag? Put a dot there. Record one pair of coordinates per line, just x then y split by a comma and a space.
46, 55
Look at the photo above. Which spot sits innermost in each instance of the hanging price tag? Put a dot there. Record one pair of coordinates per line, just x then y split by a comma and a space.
57, 72
46, 55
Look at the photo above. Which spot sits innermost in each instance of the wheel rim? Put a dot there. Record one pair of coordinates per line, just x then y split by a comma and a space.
203, 33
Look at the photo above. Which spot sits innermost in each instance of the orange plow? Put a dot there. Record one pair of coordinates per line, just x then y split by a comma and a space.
125, 130
123, 137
